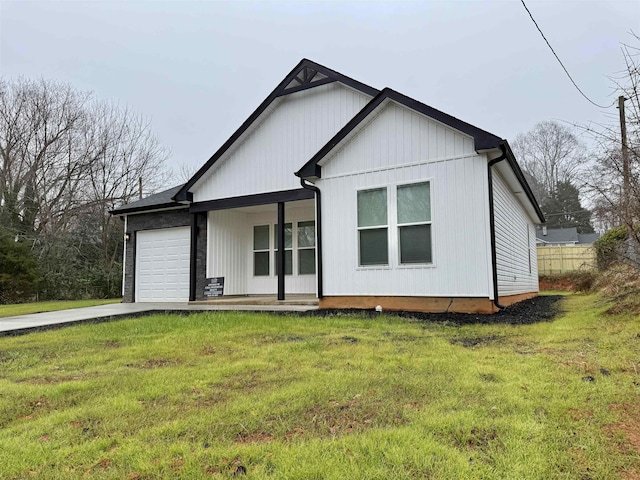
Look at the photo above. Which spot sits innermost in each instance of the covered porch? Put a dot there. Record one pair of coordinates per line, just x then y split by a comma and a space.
265, 247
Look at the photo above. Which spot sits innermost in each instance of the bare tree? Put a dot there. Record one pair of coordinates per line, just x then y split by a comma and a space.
550, 153
184, 172
605, 180
65, 161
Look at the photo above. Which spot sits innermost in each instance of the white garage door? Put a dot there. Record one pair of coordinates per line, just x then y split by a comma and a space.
162, 265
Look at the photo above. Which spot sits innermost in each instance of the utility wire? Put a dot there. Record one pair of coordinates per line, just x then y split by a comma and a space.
560, 61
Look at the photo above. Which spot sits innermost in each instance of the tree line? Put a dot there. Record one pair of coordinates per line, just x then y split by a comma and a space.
565, 175
66, 159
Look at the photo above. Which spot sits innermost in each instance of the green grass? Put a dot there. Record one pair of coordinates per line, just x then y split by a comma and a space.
39, 307
339, 397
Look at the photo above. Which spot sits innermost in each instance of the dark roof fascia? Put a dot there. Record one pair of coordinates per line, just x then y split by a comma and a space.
483, 140
146, 208
156, 201
252, 200
183, 193
511, 159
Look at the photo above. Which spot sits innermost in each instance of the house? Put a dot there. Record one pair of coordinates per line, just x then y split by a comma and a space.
555, 237
358, 196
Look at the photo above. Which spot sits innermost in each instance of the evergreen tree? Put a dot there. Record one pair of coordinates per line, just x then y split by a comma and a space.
562, 209
18, 270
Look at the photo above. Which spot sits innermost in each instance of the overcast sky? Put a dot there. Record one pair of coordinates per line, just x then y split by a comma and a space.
198, 69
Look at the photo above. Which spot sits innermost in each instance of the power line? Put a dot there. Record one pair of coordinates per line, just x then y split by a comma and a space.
560, 61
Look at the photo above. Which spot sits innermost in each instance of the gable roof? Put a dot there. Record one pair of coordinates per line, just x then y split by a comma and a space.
565, 235
557, 235
305, 75
483, 140
160, 200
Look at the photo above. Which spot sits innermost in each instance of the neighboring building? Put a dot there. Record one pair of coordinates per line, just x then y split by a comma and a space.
371, 198
555, 237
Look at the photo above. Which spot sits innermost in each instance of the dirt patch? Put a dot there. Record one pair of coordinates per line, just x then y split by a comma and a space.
51, 380
349, 416
472, 342
154, 363
625, 434
629, 424
258, 437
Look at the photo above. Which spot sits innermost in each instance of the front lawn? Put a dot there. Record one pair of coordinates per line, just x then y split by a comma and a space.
219, 395
39, 307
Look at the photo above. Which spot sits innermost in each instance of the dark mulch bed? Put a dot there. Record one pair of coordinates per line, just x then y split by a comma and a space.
538, 309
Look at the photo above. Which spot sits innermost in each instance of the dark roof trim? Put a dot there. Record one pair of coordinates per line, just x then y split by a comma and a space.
483, 140
306, 81
162, 206
511, 159
157, 201
252, 200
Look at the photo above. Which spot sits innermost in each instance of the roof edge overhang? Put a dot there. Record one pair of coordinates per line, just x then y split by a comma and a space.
118, 212
303, 73
534, 210
483, 140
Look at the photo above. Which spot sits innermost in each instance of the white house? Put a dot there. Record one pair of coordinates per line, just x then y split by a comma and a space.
358, 196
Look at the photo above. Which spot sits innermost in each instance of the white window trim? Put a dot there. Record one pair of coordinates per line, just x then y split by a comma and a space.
393, 241
398, 225
273, 249
380, 266
296, 265
254, 251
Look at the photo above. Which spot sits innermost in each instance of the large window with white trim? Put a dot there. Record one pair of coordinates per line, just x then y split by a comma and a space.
373, 241
288, 248
405, 210
261, 251
414, 223
307, 247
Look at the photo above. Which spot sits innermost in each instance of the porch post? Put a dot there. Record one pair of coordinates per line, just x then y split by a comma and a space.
192, 257
281, 261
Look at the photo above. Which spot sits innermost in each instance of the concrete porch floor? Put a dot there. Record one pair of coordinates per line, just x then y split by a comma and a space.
290, 299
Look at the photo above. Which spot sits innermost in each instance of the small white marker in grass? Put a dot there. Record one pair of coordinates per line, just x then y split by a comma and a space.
378, 308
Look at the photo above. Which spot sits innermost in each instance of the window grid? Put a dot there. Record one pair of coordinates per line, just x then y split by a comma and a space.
408, 207
415, 253
306, 252
261, 251
373, 227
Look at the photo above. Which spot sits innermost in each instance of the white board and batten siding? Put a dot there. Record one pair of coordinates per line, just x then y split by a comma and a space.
230, 249
400, 146
162, 265
516, 256
289, 135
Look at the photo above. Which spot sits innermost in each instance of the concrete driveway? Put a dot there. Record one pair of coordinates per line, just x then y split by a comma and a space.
39, 321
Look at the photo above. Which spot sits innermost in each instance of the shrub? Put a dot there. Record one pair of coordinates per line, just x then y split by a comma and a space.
610, 247
18, 271
621, 284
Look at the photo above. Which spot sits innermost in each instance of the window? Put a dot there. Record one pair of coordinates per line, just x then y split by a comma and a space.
414, 223
288, 247
261, 250
372, 227
307, 248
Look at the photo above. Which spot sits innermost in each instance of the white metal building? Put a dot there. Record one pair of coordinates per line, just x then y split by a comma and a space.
359, 196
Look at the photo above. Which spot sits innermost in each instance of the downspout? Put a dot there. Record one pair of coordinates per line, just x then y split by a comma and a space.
310, 186
124, 255
492, 227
